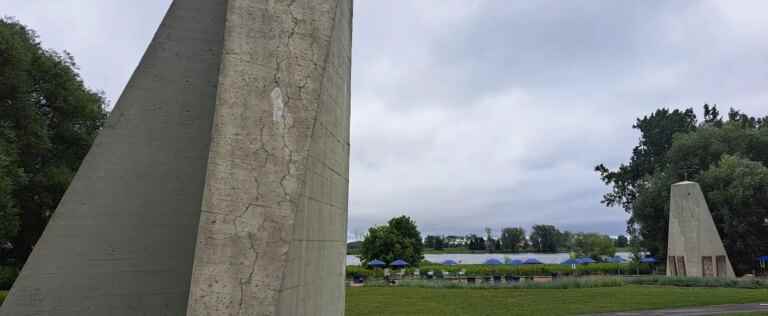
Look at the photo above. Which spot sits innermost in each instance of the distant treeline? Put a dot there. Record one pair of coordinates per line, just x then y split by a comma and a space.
543, 239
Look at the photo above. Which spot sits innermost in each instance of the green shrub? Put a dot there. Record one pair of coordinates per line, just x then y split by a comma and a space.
519, 270
8, 275
540, 269
563, 283
700, 282
358, 271
3, 294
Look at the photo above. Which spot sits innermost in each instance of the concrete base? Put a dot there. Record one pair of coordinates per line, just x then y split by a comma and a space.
241, 106
694, 245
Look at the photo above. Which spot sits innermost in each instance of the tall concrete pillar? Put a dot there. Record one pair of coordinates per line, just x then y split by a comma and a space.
241, 106
272, 235
694, 245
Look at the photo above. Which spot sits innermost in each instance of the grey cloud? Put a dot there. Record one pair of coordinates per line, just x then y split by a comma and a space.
536, 94
471, 114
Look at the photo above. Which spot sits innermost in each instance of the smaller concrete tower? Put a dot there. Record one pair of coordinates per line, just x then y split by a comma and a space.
694, 245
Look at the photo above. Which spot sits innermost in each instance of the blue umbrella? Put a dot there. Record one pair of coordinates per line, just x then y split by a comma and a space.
616, 259
493, 261
585, 260
532, 261
763, 258
449, 262
399, 263
650, 260
570, 262
516, 262
376, 263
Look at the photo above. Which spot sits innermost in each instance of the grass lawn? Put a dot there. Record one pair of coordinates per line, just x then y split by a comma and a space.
426, 302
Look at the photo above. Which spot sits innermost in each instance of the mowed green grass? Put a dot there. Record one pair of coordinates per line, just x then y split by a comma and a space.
427, 302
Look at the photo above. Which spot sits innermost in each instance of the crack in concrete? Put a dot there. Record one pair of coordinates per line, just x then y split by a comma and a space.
302, 64
252, 244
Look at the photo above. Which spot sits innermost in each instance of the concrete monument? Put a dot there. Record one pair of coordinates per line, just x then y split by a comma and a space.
219, 185
694, 245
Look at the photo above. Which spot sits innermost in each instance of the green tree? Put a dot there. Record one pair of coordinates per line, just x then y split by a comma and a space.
622, 241
545, 238
639, 186
48, 121
635, 248
475, 242
713, 149
566, 241
737, 193
490, 242
9, 221
434, 242
513, 239
593, 245
657, 132
398, 239
692, 157
453, 241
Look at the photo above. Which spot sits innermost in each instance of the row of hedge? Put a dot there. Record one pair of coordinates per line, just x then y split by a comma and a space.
559, 283
519, 270
744, 283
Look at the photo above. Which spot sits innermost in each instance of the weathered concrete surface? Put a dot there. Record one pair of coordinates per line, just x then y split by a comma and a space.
692, 232
273, 225
122, 239
130, 236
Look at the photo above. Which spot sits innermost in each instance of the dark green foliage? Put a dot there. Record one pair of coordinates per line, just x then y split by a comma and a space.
566, 242
546, 238
622, 241
8, 274
513, 239
9, 213
399, 239
593, 245
727, 157
737, 193
435, 242
48, 121
476, 242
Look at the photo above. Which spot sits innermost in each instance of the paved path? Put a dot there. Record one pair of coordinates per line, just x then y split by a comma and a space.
698, 311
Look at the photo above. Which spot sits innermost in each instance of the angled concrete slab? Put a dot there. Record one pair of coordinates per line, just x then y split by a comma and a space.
219, 185
122, 239
694, 247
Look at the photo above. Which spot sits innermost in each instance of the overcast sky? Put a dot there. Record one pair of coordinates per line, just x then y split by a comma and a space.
472, 114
